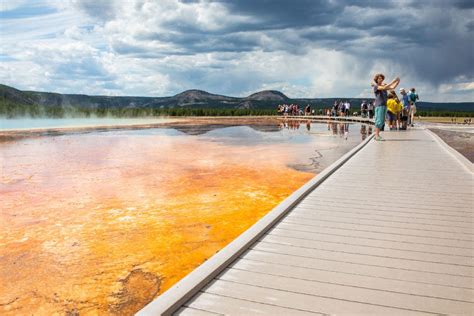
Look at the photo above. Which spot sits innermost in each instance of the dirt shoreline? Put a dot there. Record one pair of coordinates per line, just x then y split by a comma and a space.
459, 140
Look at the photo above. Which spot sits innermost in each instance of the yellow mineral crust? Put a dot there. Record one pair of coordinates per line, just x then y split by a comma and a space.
103, 224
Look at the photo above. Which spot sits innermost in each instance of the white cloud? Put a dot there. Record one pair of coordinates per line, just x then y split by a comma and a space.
11, 5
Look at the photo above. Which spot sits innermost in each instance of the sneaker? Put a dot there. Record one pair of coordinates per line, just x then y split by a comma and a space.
379, 139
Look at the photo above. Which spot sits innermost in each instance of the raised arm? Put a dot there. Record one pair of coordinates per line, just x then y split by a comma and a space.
391, 86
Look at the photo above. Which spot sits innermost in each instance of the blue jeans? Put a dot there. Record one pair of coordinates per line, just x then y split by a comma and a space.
380, 112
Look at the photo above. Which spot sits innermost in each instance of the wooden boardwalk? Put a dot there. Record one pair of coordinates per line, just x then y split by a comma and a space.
389, 231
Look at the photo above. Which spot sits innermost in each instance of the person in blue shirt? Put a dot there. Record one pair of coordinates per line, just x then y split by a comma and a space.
380, 91
405, 100
413, 97
406, 107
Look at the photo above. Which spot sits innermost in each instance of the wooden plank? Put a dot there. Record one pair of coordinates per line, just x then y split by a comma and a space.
350, 279
386, 189
387, 261
405, 204
370, 221
363, 180
302, 302
365, 250
367, 269
188, 311
379, 235
381, 228
368, 215
220, 302
383, 167
402, 301
371, 242
357, 169
461, 202
396, 211
417, 201
426, 186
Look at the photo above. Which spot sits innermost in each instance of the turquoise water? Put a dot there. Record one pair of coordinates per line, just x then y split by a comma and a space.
27, 123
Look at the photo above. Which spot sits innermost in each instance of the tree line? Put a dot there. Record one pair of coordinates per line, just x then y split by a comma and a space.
9, 109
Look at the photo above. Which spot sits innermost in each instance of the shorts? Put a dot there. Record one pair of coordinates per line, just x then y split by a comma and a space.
412, 109
391, 116
380, 116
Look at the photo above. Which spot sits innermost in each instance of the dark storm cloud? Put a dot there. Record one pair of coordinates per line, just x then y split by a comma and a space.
464, 4
277, 14
99, 9
470, 26
430, 39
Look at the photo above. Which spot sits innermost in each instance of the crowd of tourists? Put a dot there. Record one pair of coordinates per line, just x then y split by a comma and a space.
339, 108
295, 110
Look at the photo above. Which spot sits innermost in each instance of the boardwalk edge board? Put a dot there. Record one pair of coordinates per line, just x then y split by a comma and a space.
326, 118
171, 300
458, 156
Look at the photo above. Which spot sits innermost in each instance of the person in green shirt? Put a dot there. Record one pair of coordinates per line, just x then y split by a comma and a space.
412, 97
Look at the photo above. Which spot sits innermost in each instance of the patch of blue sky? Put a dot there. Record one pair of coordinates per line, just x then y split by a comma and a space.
85, 68
110, 85
5, 58
301, 81
48, 36
27, 11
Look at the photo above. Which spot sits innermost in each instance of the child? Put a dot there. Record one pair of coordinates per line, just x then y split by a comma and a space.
394, 107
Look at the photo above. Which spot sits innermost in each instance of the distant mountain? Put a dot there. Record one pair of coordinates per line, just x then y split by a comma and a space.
190, 96
268, 95
196, 99
14, 95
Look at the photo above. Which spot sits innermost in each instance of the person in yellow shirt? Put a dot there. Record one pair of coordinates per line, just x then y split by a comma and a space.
394, 108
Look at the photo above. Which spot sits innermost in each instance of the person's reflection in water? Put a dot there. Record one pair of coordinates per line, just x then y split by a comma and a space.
291, 125
308, 125
346, 131
341, 129
363, 131
296, 125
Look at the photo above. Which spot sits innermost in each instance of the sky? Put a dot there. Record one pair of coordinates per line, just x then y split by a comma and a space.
303, 48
